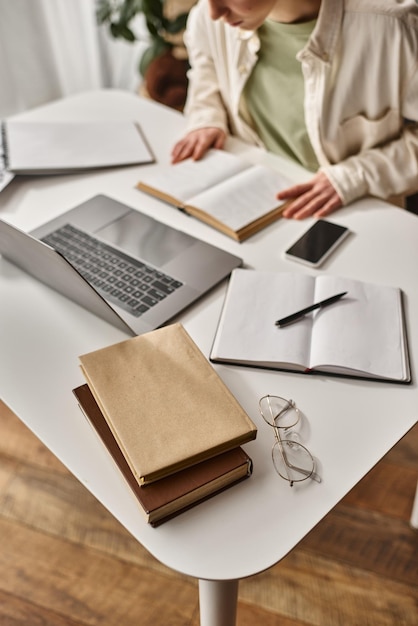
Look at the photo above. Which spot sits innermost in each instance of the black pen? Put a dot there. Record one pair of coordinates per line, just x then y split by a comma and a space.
299, 314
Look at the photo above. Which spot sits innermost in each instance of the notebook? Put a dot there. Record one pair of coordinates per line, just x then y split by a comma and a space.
61, 147
136, 273
362, 335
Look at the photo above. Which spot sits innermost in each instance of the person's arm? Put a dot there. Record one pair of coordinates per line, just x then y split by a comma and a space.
204, 107
391, 169
386, 171
207, 124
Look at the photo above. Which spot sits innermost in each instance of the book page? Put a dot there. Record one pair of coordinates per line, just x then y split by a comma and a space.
186, 179
363, 331
63, 146
247, 333
238, 201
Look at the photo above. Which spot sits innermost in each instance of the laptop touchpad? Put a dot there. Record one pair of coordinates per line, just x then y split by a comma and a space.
142, 237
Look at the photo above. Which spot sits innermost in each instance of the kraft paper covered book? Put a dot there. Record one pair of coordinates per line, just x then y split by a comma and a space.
166, 405
63, 147
174, 494
362, 335
222, 190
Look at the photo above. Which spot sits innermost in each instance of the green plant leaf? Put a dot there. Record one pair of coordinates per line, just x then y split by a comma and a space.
118, 14
153, 9
154, 28
121, 30
129, 9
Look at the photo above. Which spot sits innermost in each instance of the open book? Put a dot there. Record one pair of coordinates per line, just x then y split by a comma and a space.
361, 335
61, 147
221, 189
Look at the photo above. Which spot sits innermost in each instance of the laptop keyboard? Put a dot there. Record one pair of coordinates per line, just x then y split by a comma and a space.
131, 284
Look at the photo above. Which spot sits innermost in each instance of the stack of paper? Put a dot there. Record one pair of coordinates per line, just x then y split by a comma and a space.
167, 418
63, 147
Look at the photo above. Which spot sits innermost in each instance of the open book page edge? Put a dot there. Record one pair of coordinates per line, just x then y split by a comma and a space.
408, 375
291, 368
211, 221
263, 221
162, 195
347, 372
268, 365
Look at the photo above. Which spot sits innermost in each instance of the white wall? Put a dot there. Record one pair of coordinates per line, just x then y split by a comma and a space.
53, 48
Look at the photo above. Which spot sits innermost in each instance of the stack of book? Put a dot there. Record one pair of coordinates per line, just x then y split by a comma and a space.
171, 425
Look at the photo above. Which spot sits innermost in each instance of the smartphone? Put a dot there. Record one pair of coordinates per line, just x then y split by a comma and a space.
317, 243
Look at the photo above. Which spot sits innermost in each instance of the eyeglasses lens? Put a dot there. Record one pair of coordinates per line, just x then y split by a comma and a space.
279, 411
292, 460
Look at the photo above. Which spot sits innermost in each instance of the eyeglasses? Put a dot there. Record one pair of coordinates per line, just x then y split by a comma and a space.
291, 459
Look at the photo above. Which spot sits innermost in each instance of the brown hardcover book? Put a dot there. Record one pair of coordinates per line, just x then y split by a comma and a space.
169, 496
222, 190
164, 402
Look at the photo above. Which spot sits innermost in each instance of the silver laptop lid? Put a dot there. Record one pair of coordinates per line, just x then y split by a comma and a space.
199, 266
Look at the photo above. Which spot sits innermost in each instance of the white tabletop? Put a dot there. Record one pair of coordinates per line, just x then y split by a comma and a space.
351, 424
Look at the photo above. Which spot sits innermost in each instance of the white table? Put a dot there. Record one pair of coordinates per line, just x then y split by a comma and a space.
351, 424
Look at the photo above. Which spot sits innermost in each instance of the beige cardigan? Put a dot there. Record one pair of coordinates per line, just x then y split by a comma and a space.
361, 84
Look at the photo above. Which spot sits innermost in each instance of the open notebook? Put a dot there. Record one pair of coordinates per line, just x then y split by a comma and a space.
362, 335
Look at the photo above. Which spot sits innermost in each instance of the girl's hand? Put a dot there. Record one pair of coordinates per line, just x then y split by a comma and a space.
316, 197
196, 143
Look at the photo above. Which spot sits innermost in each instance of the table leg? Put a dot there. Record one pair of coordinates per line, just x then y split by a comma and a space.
218, 602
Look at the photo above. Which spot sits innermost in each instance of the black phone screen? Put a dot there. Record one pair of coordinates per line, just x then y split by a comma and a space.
317, 242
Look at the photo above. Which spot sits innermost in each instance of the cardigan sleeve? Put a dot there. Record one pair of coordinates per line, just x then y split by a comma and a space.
204, 106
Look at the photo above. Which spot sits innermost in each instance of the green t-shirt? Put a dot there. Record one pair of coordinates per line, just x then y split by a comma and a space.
274, 93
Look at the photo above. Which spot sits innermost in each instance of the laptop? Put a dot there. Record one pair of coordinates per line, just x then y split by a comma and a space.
122, 265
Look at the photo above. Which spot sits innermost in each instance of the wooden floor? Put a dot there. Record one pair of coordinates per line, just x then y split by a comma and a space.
65, 561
